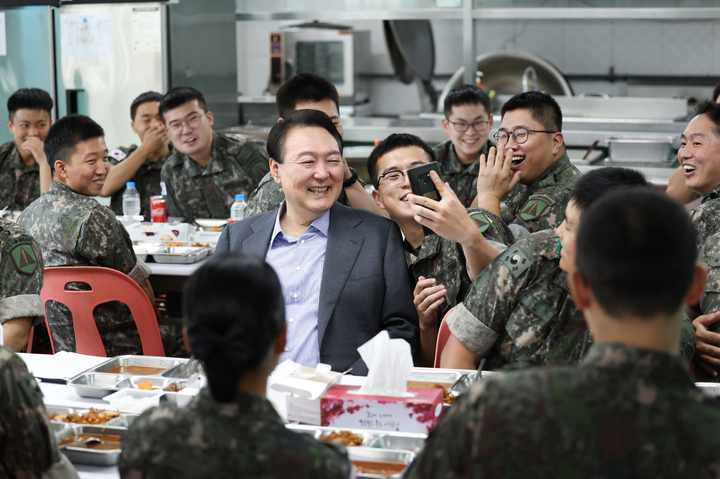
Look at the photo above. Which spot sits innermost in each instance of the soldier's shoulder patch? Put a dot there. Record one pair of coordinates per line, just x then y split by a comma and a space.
23, 257
119, 155
482, 221
535, 207
516, 261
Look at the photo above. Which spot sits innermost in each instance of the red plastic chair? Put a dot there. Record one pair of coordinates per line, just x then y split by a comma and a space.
442, 337
107, 285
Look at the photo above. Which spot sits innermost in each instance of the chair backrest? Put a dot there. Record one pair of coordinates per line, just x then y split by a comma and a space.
442, 337
107, 285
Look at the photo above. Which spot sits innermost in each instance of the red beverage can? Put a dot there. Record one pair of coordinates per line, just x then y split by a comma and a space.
157, 209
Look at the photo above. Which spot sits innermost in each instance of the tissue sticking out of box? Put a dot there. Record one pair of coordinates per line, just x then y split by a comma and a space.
303, 381
390, 365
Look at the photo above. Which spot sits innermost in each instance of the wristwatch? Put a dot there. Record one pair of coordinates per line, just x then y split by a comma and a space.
351, 181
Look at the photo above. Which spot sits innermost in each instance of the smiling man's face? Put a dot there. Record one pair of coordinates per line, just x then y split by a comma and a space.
699, 155
189, 128
85, 172
394, 200
468, 143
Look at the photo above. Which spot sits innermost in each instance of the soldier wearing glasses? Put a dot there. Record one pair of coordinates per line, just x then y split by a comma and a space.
528, 179
207, 169
468, 122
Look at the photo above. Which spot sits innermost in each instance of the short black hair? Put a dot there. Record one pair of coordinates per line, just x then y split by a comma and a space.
543, 108
391, 143
143, 98
234, 310
716, 92
305, 87
597, 183
636, 250
295, 119
712, 111
31, 99
179, 96
466, 95
66, 133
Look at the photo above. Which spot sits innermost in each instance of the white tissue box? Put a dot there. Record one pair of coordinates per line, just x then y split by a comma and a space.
303, 387
339, 407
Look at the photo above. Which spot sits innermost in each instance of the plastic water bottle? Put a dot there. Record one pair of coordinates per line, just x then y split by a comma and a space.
237, 210
131, 200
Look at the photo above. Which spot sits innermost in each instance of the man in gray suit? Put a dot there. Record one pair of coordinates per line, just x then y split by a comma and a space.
342, 270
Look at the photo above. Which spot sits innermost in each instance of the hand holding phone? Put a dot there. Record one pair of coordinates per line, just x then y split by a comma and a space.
421, 183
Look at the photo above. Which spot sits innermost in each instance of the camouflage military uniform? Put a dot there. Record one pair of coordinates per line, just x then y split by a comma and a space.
75, 230
519, 310
445, 261
623, 412
19, 184
146, 178
268, 196
710, 300
237, 164
21, 270
542, 205
27, 446
706, 217
242, 439
461, 178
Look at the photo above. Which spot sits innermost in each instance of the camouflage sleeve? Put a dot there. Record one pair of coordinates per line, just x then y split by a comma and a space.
172, 205
542, 211
704, 218
21, 274
27, 446
105, 242
484, 313
492, 227
258, 161
687, 339
266, 197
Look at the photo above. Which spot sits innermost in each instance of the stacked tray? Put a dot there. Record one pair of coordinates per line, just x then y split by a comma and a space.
162, 253
99, 381
90, 455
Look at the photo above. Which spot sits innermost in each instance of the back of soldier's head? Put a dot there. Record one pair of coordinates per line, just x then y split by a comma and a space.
305, 87
636, 251
596, 183
29, 99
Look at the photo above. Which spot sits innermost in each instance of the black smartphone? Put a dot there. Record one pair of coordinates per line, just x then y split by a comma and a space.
421, 183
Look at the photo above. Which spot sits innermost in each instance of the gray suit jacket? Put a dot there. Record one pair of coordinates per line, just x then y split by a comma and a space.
365, 284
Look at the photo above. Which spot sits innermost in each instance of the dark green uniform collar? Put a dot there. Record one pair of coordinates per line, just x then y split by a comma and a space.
713, 195
548, 176
429, 248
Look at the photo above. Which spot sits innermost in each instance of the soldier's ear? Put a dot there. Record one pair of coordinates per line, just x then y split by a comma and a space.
61, 168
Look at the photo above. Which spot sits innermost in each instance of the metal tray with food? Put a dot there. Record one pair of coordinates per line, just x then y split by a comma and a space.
137, 365
181, 255
445, 377
95, 445
93, 416
153, 383
366, 437
95, 385
371, 462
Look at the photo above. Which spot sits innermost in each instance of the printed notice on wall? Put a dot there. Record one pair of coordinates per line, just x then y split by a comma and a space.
87, 35
146, 33
3, 41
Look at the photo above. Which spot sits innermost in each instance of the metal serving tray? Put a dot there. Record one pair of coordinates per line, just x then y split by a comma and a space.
380, 455
181, 254
144, 361
371, 438
79, 455
158, 383
125, 420
95, 385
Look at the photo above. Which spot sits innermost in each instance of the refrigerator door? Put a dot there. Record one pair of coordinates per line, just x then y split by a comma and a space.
27, 61
108, 54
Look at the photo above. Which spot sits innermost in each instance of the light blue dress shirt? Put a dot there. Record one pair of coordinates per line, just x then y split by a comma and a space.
299, 264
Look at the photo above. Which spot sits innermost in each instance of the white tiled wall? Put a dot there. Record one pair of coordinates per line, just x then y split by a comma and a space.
639, 47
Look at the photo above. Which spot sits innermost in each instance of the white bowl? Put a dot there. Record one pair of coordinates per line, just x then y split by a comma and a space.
134, 400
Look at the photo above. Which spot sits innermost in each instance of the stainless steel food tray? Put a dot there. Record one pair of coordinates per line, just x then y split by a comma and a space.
95, 385
380, 455
142, 361
653, 150
445, 377
125, 420
371, 438
181, 254
80, 455
159, 384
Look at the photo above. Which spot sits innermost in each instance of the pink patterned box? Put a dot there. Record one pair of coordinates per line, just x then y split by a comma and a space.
419, 413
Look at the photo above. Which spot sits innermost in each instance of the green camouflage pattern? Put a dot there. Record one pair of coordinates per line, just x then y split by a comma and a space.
445, 261
146, 178
75, 230
623, 412
237, 164
710, 300
461, 178
268, 196
19, 184
21, 274
706, 217
27, 446
552, 188
241, 439
519, 309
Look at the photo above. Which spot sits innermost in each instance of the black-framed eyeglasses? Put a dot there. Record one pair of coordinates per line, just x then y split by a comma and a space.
393, 179
462, 126
192, 122
520, 135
